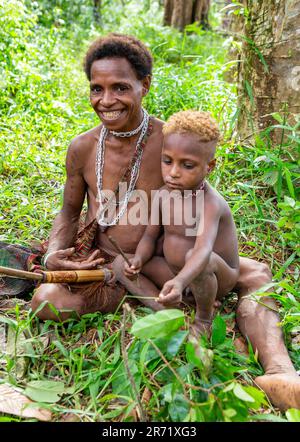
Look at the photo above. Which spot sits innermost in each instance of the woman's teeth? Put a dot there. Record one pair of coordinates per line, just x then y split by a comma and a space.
113, 115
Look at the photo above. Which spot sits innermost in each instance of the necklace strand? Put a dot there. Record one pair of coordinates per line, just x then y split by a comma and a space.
134, 173
131, 132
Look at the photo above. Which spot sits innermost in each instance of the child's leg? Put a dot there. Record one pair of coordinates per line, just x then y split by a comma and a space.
148, 283
214, 283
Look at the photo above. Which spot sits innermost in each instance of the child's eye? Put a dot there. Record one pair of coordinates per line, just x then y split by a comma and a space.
188, 166
166, 160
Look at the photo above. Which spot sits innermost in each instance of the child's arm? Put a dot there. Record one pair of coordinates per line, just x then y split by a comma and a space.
171, 293
146, 246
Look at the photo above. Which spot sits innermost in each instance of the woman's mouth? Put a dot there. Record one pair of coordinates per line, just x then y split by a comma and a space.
110, 115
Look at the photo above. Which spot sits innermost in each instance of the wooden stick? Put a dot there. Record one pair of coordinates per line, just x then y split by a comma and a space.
116, 245
22, 274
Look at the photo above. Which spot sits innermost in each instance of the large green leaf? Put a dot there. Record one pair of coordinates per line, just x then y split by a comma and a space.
44, 391
159, 324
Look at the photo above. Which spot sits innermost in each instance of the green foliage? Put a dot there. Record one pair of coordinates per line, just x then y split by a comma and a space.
43, 105
159, 324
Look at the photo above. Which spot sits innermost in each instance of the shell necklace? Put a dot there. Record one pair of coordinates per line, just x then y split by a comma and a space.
134, 171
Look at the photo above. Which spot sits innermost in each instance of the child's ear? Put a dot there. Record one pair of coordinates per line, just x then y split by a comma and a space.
211, 165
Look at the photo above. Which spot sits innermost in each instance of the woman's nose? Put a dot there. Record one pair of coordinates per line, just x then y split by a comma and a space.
107, 99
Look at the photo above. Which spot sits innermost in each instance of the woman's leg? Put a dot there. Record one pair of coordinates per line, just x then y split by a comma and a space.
259, 322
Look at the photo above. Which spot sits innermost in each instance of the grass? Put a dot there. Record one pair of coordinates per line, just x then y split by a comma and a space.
43, 105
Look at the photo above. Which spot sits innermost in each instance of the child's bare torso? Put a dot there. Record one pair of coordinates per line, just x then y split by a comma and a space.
176, 241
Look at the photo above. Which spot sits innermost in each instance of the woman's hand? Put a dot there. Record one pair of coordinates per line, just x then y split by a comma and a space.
171, 293
60, 260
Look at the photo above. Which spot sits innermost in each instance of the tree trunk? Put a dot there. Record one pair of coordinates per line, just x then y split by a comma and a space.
269, 74
201, 9
97, 11
168, 8
179, 13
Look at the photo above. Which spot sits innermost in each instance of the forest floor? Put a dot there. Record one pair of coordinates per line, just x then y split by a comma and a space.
78, 370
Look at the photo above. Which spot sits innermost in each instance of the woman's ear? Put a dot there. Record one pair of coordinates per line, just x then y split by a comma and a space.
211, 165
146, 84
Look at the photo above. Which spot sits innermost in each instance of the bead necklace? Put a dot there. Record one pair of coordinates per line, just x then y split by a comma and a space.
133, 169
193, 192
131, 132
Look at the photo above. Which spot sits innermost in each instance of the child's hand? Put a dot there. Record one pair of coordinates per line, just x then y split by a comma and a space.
171, 293
134, 269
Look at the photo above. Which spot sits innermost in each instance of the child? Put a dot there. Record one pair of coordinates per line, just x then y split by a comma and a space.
207, 263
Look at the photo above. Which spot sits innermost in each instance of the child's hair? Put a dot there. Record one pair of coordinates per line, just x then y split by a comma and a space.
200, 123
122, 46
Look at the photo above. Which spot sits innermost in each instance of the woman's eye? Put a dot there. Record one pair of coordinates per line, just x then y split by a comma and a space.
121, 88
96, 89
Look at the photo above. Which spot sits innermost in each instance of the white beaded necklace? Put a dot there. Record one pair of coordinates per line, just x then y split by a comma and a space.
143, 127
131, 132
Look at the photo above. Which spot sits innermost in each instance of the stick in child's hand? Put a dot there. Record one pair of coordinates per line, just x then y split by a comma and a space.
116, 245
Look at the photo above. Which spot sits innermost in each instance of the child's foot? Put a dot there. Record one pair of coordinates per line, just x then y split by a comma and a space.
282, 389
201, 327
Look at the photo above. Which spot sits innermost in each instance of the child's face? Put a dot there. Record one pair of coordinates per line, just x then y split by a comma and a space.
185, 161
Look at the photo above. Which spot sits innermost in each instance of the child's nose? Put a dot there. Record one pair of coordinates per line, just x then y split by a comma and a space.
174, 173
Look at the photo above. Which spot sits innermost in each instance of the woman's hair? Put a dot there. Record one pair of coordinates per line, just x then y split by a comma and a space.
120, 46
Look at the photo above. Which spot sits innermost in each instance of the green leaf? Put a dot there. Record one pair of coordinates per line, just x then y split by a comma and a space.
293, 415
242, 394
289, 182
218, 331
12, 323
179, 408
120, 381
44, 391
267, 418
249, 92
158, 324
191, 355
257, 395
175, 343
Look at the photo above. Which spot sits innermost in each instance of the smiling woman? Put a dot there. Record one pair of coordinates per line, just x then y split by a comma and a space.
116, 93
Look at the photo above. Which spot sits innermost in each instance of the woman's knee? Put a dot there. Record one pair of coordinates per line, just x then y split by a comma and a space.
253, 275
46, 293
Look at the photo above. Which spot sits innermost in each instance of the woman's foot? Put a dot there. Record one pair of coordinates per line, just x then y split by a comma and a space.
282, 389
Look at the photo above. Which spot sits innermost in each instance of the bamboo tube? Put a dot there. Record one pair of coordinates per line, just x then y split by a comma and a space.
63, 276
77, 275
